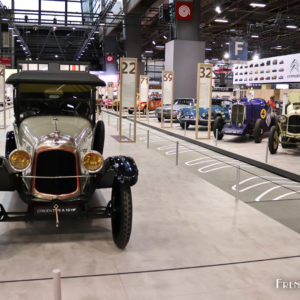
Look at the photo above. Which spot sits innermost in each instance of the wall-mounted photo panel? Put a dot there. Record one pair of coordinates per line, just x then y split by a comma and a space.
204, 93
2, 98
167, 95
128, 87
143, 100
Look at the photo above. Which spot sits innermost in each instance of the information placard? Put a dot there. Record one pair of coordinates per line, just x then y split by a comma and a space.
128, 86
167, 94
110, 90
144, 91
2, 96
204, 93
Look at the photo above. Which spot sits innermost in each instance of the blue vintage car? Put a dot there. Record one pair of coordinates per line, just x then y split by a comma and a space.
220, 109
253, 117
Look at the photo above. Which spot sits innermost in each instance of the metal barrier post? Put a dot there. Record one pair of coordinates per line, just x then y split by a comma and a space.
216, 138
177, 148
57, 284
108, 120
148, 139
238, 179
267, 153
117, 124
184, 128
129, 130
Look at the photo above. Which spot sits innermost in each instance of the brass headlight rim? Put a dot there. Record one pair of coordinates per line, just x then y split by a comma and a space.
13, 167
95, 152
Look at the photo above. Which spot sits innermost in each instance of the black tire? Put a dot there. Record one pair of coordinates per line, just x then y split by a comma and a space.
218, 124
121, 220
145, 110
130, 111
159, 119
182, 125
258, 131
99, 138
274, 139
10, 143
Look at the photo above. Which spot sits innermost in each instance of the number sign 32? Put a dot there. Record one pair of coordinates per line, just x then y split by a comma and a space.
205, 72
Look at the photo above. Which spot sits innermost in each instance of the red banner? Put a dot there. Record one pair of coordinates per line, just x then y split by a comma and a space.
109, 58
184, 10
6, 61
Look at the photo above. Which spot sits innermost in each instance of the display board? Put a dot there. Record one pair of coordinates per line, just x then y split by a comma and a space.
204, 93
110, 90
2, 98
285, 68
167, 94
144, 91
128, 86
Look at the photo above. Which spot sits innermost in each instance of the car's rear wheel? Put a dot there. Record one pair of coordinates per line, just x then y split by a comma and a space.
121, 219
10, 143
99, 138
218, 125
274, 139
258, 131
159, 119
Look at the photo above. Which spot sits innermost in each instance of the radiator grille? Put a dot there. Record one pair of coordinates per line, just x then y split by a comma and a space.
294, 124
56, 163
237, 114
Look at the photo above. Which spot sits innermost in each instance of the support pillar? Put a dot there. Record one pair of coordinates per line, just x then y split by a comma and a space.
184, 52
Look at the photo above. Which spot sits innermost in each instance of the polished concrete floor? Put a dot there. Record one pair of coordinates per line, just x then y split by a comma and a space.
191, 238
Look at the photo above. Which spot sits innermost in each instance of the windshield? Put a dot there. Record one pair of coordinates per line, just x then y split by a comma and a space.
183, 102
54, 99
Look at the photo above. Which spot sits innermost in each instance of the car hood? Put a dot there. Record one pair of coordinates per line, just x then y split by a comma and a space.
52, 131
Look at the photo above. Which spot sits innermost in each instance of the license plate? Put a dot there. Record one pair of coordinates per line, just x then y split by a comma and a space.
49, 210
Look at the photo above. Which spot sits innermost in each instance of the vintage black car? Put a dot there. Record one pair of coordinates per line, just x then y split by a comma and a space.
53, 158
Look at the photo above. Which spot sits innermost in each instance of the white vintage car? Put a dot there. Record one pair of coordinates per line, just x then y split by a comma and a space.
288, 128
53, 158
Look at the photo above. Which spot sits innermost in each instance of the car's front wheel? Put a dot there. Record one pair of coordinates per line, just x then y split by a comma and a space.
121, 219
218, 125
274, 139
184, 124
258, 131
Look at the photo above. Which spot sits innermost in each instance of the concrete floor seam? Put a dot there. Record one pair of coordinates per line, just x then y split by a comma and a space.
156, 270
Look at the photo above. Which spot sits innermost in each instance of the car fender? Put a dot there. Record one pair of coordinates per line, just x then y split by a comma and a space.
8, 177
120, 168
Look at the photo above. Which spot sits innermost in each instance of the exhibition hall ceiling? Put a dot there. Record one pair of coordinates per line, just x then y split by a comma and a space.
59, 29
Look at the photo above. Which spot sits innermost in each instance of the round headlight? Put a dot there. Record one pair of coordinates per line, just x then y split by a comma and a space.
93, 161
20, 160
282, 119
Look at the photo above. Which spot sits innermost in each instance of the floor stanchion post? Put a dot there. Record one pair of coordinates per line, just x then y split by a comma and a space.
184, 128
216, 137
237, 186
57, 284
177, 154
108, 120
117, 124
148, 138
267, 153
129, 130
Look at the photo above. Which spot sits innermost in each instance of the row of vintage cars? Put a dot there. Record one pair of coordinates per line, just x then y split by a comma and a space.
254, 117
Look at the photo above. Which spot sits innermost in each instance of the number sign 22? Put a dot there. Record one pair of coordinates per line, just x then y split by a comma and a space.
128, 68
